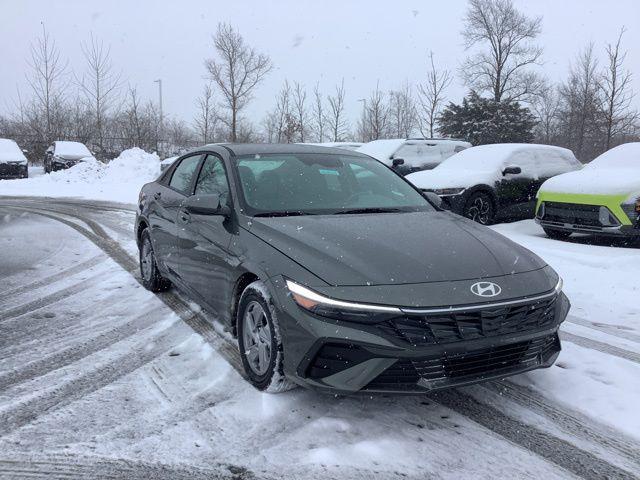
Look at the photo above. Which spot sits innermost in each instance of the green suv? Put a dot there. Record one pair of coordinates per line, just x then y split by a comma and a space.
603, 198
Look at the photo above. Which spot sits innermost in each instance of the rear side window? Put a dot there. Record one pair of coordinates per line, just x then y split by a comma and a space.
212, 178
554, 163
183, 174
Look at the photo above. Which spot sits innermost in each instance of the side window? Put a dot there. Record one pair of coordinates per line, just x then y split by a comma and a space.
552, 163
526, 160
183, 174
212, 178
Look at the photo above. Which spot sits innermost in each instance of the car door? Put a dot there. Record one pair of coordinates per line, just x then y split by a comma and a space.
167, 199
203, 240
515, 190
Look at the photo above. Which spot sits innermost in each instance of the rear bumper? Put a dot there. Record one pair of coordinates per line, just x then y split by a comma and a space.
413, 355
8, 170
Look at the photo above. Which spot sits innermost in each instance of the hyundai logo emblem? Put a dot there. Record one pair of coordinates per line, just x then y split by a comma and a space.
486, 289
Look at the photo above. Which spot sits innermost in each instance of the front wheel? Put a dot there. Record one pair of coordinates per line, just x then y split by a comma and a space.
479, 208
556, 234
260, 342
151, 277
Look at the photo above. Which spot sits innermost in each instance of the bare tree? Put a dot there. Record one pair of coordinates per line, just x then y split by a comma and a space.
580, 107
336, 117
546, 107
299, 108
206, 120
100, 85
374, 122
619, 116
402, 112
431, 97
318, 115
502, 68
237, 71
48, 80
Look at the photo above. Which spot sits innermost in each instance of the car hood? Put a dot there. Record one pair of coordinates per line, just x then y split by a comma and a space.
395, 248
595, 181
450, 178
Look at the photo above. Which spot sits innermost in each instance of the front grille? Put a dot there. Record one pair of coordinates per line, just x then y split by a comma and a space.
420, 330
573, 214
452, 368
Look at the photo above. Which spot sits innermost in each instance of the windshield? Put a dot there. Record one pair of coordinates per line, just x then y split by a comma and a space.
312, 183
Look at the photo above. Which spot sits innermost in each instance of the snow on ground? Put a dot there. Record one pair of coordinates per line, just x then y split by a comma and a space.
119, 180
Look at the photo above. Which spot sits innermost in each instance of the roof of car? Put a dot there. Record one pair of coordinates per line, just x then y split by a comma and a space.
267, 148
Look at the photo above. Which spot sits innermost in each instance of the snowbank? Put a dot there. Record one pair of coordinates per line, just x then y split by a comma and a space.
118, 181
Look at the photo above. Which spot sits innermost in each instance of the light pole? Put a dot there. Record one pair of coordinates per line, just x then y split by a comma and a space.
160, 129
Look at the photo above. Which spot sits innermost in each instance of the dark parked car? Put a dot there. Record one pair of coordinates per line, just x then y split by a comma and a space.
64, 154
493, 182
336, 273
13, 163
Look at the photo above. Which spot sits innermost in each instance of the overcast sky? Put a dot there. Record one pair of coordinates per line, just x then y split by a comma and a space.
308, 41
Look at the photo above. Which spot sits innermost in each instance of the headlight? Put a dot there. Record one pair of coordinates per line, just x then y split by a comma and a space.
338, 309
631, 207
448, 191
559, 285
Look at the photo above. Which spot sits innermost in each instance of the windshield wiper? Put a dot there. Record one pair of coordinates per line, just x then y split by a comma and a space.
285, 213
368, 210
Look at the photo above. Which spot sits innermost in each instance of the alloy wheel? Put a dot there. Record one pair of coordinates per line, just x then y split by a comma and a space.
479, 210
146, 260
256, 336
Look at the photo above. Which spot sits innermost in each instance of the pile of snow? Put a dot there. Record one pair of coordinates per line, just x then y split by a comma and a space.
119, 180
10, 152
615, 172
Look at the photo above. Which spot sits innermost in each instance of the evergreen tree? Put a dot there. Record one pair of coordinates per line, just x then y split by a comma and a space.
481, 120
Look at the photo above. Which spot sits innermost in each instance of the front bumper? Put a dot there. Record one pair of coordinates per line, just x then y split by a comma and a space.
418, 353
13, 170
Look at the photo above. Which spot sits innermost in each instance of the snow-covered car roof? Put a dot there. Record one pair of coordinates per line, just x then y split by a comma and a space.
10, 151
384, 149
626, 155
76, 149
492, 157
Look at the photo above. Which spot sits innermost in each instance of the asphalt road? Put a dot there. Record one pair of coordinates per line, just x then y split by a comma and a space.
101, 379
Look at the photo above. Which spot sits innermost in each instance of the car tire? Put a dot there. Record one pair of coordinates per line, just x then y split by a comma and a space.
259, 340
556, 234
152, 279
479, 207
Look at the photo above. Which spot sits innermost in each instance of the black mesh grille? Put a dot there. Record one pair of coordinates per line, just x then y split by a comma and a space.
447, 369
419, 330
333, 358
572, 213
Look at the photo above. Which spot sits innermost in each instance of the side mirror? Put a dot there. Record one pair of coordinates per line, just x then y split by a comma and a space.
397, 162
511, 170
433, 198
206, 205
24, 150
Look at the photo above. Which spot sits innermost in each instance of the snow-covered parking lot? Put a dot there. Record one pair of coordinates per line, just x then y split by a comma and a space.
99, 377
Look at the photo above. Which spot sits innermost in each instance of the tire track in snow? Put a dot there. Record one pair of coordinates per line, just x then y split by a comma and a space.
52, 298
557, 451
56, 277
571, 422
601, 347
77, 466
604, 328
76, 352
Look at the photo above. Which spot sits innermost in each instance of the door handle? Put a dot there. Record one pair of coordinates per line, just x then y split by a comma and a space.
157, 195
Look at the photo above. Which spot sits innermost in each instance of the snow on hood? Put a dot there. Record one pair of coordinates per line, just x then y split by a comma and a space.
10, 152
615, 172
72, 150
119, 180
449, 178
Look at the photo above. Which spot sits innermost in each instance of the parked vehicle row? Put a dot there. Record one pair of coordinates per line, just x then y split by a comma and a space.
337, 274
13, 163
495, 182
